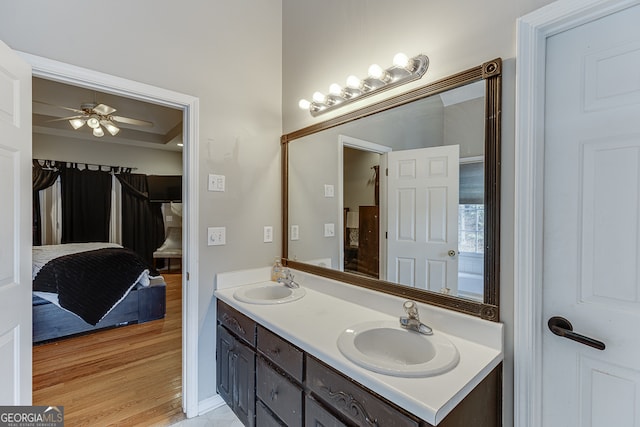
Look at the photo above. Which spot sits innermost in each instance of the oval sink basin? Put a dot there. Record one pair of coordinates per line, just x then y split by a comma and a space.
386, 348
268, 293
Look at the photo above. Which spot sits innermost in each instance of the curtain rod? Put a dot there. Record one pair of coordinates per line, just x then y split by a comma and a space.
86, 164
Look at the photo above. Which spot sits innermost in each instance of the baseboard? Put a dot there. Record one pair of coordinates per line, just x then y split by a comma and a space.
210, 404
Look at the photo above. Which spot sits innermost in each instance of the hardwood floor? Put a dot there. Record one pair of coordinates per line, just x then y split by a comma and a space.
127, 376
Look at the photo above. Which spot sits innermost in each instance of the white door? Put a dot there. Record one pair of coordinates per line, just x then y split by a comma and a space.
15, 229
422, 211
591, 249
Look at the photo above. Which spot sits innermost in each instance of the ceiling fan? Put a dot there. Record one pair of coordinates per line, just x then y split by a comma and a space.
96, 116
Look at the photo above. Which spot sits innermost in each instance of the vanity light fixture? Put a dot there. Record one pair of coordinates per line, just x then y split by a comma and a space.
403, 70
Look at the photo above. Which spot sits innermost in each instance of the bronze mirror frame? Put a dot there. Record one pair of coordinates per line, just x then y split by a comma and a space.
491, 72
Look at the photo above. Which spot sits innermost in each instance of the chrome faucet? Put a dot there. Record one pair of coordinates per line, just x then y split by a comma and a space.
412, 320
287, 279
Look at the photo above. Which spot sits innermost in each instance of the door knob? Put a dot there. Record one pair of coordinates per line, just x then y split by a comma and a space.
451, 253
563, 328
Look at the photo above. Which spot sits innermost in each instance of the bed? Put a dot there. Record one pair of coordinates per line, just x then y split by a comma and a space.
83, 287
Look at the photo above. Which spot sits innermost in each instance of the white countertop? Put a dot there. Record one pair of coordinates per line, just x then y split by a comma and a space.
314, 322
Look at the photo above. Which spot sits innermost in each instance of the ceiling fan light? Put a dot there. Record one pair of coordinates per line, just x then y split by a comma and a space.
113, 129
77, 123
98, 132
93, 123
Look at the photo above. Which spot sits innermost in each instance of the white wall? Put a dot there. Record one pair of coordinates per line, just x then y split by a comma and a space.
226, 53
147, 161
324, 42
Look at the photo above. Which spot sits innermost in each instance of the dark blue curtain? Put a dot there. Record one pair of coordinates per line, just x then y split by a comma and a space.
142, 222
86, 205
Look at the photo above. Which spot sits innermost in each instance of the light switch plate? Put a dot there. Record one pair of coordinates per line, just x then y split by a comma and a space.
216, 236
329, 230
268, 234
216, 182
328, 190
295, 232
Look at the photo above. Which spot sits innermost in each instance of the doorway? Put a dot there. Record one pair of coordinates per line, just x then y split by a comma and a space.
65, 73
361, 189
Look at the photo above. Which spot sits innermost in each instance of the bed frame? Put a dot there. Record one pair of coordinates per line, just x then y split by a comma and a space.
142, 304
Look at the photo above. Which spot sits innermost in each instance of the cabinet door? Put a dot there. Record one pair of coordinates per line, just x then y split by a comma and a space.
316, 416
244, 391
235, 373
224, 364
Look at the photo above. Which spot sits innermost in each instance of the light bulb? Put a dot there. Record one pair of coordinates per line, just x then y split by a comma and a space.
401, 60
320, 98
93, 123
376, 72
335, 89
304, 104
98, 132
353, 82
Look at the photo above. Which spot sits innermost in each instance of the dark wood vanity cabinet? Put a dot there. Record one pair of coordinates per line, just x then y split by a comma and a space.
269, 382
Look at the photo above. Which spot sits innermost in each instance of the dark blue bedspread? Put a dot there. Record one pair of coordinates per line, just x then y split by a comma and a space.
90, 283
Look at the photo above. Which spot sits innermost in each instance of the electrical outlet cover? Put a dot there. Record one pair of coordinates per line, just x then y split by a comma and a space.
295, 232
329, 230
328, 190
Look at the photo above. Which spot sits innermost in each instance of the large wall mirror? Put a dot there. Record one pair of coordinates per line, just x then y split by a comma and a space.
403, 196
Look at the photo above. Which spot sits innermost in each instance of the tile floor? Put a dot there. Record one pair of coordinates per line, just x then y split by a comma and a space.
219, 417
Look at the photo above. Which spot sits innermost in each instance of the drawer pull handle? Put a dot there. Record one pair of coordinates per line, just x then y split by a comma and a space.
275, 351
273, 394
351, 405
232, 321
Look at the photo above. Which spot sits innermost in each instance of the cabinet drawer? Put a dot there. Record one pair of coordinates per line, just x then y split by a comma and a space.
264, 418
351, 400
243, 327
316, 415
283, 397
281, 352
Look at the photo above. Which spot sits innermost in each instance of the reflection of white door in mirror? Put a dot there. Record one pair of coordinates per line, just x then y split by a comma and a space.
422, 211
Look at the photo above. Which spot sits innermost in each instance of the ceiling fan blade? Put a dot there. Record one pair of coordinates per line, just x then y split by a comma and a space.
131, 121
59, 106
64, 118
103, 109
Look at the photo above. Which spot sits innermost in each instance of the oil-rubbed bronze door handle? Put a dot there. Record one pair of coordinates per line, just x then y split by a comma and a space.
563, 328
